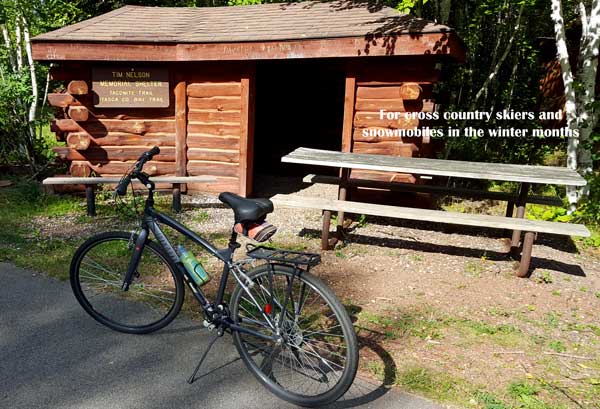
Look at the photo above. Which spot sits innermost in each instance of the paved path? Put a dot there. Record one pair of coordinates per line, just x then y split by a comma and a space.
52, 355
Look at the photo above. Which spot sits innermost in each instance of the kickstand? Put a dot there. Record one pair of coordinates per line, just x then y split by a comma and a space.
216, 336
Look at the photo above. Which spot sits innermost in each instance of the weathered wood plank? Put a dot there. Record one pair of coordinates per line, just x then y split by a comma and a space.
389, 136
434, 216
394, 105
438, 167
434, 190
218, 103
125, 139
210, 89
116, 179
220, 184
246, 135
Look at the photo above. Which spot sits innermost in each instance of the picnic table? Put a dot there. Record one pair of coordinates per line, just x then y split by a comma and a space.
524, 175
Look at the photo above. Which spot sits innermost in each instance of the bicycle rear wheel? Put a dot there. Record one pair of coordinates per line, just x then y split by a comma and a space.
317, 359
154, 297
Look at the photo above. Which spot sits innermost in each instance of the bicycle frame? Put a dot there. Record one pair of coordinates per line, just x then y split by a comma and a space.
150, 223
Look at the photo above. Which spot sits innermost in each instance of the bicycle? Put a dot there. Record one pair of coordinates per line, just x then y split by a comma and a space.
289, 328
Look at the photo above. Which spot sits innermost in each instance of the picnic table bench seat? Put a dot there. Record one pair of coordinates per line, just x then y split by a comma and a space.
530, 227
90, 182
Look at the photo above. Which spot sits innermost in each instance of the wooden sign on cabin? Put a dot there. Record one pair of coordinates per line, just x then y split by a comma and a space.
130, 87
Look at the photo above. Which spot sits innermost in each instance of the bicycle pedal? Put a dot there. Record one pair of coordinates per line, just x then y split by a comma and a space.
210, 326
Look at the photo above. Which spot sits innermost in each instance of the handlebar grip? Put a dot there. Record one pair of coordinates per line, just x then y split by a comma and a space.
122, 186
148, 155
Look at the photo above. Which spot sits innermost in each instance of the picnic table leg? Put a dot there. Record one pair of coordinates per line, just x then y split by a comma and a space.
342, 195
523, 270
521, 203
91, 200
176, 197
325, 233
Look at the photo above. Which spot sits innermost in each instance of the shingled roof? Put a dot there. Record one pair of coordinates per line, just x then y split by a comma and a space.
265, 22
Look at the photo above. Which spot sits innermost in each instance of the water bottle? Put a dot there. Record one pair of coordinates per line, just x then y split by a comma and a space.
193, 266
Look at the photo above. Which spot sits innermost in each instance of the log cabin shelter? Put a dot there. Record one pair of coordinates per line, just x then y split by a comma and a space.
227, 91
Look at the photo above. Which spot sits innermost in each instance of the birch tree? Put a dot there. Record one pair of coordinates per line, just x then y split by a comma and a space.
581, 115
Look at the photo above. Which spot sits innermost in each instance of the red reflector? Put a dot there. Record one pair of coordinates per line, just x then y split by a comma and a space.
268, 309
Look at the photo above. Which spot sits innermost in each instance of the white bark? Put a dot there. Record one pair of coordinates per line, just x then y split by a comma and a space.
33, 77
19, 45
570, 101
11, 58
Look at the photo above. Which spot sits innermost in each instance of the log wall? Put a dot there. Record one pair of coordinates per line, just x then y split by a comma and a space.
394, 88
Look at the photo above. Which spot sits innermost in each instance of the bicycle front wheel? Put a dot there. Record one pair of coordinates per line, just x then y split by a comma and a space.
316, 360
154, 297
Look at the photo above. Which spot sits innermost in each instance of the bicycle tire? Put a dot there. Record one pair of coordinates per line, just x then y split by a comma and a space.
299, 342
155, 295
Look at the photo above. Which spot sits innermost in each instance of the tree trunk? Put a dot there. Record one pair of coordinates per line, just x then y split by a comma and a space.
32, 74
570, 101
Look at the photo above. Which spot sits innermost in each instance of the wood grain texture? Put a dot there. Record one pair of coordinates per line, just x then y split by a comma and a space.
369, 119
116, 179
119, 168
349, 97
213, 141
218, 155
438, 167
246, 135
209, 89
78, 140
195, 167
78, 113
60, 100
180, 128
218, 103
214, 116
77, 87
435, 216
220, 184
97, 154
394, 148
435, 44
410, 91
127, 139
213, 129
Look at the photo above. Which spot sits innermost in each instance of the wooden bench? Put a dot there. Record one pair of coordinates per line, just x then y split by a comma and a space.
510, 198
91, 182
530, 227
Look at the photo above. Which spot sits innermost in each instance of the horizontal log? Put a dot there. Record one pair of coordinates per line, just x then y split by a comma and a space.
378, 92
393, 148
218, 103
213, 142
65, 125
210, 89
358, 136
213, 168
60, 100
78, 140
213, 129
139, 127
221, 184
97, 154
410, 91
132, 113
78, 113
367, 119
215, 116
218, 155
394, 105
120, 168
398, 73
166, 181
127, 139
77, 88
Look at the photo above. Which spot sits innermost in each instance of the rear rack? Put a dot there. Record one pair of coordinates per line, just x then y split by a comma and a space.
284, 256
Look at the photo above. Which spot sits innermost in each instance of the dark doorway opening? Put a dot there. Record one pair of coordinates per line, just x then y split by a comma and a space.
298, 103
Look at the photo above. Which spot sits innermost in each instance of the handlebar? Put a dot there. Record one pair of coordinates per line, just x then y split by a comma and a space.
121, 189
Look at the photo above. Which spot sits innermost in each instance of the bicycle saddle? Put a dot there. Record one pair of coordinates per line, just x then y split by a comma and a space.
246, 210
